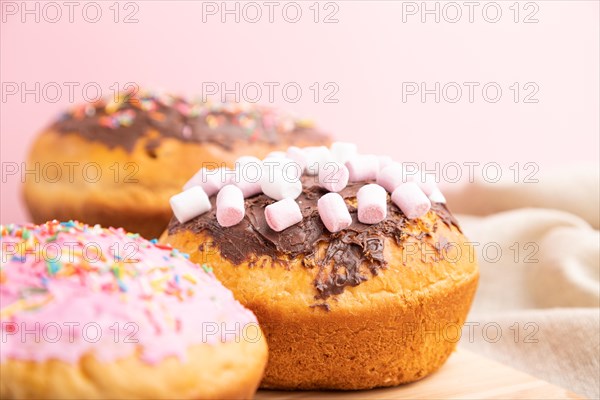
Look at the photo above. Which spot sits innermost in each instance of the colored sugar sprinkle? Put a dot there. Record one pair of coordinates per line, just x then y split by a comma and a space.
156, 275
122, 110
122, 285
207, 269
53, 267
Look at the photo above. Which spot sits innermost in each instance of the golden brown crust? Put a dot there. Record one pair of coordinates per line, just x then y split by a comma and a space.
134, 188
394, 328
229, 370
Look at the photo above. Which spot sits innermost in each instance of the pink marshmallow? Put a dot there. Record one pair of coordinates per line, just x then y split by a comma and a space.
363, 168
411, 200
333, 176
230, 206
283, 214
372, 204
333, 212
211, 180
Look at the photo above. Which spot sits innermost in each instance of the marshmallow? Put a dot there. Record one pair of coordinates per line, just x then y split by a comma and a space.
190, 203
333, 176
437, 196
230, 206
384, 161
283, 214
391, 177
246, 160
293, 170
297, 154
411, 200
333, 212
211, 180
316, 156
343, 151
281, 180
248, 173
248, 188
372, 204
410, 172
427, 184
276, 154
363, 168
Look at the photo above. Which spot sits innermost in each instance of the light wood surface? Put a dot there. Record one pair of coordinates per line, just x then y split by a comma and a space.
464, 376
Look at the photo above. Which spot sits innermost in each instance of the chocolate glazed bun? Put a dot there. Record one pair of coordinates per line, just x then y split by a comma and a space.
369, 306
119, 161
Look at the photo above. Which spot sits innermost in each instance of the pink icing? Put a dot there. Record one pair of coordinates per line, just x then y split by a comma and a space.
87, 299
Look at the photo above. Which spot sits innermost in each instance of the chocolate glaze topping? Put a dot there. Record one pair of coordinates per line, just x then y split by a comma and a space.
349, 256
133, 116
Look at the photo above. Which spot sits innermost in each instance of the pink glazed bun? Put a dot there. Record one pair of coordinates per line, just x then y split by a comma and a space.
89, 312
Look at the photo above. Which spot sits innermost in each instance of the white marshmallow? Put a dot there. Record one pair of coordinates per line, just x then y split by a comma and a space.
248, 174
343, 151
427, 183
384, 161
281, 180
276, 154
297, 154
363, 167
247, 159
315, 156
391, 177
190, 203
249, 189
437, 196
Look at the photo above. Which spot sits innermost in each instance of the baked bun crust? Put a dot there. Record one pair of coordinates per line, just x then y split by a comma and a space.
116, 316
226, 371
329, 325
123, 175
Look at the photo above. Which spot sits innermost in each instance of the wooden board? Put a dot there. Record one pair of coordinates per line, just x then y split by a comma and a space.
465, 376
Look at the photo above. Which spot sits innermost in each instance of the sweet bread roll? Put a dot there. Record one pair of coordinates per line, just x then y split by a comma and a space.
100, 313
116, 163
354, 289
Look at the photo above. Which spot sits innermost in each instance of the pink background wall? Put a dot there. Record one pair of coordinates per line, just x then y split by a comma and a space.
368, 54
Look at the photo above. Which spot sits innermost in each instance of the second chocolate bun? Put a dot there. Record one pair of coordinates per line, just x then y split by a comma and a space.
117, 163
369, 306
